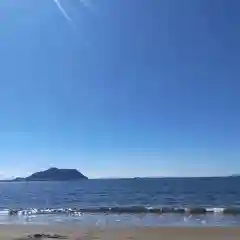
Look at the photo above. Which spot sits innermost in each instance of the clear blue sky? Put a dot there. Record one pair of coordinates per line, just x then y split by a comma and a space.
120, 87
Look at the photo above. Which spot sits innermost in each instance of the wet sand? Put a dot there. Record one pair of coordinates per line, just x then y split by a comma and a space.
15, 232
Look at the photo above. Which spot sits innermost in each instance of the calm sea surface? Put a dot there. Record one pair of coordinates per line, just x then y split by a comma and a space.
127, 196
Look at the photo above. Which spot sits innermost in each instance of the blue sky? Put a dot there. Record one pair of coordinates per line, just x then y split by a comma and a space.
120, 88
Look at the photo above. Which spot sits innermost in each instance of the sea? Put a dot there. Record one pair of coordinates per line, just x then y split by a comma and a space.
123, 202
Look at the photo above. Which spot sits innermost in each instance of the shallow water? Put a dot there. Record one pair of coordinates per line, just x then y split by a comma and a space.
125, 194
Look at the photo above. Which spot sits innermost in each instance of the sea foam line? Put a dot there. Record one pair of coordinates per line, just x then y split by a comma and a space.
122, 210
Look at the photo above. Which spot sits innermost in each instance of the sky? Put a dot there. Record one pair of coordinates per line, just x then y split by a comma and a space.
120, 88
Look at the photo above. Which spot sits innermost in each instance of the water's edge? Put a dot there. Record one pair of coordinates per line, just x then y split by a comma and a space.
119, 210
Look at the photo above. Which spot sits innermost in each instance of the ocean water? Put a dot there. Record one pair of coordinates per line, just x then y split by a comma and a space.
124, 202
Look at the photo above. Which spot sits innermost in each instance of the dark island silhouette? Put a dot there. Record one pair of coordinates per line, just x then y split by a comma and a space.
53, 174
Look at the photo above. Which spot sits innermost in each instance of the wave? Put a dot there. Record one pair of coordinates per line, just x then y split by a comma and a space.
122, 210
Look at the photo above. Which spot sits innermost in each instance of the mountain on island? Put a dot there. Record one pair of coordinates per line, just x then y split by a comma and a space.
54, 174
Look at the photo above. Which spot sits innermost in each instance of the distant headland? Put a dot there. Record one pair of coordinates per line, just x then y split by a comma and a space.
52, 174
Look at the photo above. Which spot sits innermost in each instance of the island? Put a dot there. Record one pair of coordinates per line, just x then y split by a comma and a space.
53, 174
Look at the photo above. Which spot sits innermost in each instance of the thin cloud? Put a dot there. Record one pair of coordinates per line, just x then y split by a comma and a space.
62, 10
84, 3
87, 4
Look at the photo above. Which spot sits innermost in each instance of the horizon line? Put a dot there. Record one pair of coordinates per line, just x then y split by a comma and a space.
136, 178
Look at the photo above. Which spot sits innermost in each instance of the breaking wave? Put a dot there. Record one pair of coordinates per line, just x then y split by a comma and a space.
122, 210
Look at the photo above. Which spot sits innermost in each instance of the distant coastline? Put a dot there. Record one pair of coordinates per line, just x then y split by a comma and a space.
51, 174
66, 176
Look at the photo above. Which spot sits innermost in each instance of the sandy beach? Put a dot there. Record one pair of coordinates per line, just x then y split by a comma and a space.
15, 232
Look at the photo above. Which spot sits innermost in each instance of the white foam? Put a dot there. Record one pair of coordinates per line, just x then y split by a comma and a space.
215, 210
4, 212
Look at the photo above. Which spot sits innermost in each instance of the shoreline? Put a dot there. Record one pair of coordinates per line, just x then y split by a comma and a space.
120, 221
17, 232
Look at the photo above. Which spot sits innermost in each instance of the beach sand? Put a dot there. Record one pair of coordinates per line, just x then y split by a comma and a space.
14, 232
